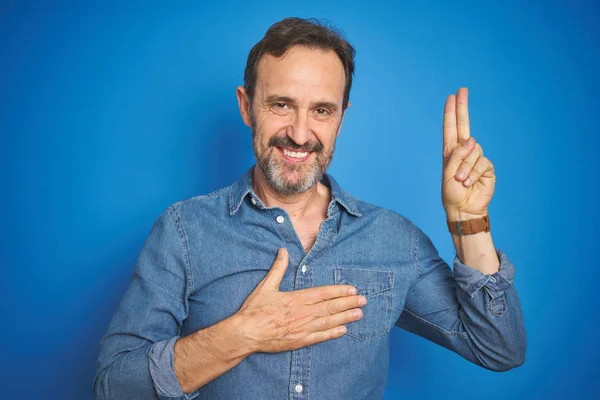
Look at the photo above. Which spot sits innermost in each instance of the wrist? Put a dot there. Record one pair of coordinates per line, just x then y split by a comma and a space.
237, 324
456, 215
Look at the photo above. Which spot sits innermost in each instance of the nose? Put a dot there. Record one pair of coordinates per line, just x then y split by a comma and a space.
299, 131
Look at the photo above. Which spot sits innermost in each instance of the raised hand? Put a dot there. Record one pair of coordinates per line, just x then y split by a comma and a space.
275, 321
468, 178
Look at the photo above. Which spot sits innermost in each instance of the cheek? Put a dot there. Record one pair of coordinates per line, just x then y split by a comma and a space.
270, 126
326, 133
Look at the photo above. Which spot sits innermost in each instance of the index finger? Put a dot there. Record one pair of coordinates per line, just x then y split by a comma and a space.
322, 293
450, 132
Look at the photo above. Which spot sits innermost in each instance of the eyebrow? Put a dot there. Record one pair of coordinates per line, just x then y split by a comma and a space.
284, 99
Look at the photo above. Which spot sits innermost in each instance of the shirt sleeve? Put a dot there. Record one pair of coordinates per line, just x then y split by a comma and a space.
475, 315
136, 354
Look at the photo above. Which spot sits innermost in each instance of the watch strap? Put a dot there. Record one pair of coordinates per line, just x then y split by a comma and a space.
469, 226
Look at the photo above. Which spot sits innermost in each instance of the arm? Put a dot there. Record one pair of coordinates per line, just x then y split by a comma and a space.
475, 315
136, 354
209, 353
142, 356
468, 183
476, 251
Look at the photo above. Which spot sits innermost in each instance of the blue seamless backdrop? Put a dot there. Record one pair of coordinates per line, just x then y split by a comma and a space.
112, 111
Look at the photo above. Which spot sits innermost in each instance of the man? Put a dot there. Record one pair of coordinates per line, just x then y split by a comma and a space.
209, 314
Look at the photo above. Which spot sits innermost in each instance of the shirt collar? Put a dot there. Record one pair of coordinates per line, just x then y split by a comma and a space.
243, 186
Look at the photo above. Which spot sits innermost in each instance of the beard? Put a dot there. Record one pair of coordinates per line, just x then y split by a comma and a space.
287, 178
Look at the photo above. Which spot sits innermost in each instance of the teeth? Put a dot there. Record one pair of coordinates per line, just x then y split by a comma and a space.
294, 154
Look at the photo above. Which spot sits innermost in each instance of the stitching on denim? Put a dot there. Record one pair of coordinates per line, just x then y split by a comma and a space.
231, 189
338, 276
306, 380
387, 294
414, 251
390, 308
351, 207
281, 235
475, 287
441, 329
332, 234
184, 245
370, 337
499, 303
234, 203
383, 292
497, 300
211, 195
443, 309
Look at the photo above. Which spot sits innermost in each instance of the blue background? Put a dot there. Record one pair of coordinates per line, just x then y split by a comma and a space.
109, 113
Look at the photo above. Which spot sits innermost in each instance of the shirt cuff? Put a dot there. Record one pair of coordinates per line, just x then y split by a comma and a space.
162, 370
471, 280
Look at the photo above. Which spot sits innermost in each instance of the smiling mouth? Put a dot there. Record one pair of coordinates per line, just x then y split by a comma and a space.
294, 156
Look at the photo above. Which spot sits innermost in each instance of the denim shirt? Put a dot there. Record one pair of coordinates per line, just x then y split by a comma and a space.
205, 255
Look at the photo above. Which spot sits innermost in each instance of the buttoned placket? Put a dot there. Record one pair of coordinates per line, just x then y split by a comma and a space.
299, 383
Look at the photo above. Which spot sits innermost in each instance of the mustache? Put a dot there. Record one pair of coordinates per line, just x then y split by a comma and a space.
285, 141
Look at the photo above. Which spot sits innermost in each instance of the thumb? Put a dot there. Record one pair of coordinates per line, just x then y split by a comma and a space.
277, 271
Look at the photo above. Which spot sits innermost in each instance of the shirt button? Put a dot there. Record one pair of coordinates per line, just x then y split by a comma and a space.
253, 200
298, 388
280, 219
303, 268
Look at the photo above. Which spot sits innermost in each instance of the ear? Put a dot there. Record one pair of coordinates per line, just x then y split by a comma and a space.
244, 105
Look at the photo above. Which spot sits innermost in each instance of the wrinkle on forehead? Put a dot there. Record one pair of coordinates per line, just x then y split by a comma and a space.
302, 73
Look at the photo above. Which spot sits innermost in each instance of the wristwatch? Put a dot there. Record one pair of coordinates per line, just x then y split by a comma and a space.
470, 226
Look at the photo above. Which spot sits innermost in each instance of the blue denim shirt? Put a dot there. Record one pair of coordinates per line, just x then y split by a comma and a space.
205, 255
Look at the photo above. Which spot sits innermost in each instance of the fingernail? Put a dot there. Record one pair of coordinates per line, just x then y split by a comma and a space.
460, 174
357, 314
468, 181
352, 291
467, 142
362, 301
342, 329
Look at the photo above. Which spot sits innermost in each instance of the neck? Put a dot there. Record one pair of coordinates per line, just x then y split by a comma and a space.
315, 199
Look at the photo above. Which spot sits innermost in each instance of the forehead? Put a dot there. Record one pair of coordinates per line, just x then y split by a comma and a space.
301, 72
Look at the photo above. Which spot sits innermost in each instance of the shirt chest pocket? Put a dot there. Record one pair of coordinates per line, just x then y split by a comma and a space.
376, 286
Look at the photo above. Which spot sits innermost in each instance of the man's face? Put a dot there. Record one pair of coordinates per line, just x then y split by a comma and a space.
296, 116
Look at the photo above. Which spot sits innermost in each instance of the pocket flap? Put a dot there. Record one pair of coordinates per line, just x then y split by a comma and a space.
368, 282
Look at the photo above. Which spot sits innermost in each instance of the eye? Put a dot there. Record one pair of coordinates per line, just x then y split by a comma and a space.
281, 108
322, 112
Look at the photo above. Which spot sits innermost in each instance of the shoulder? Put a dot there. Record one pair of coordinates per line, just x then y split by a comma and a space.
203, 199
213, 203
391, 219
370, 214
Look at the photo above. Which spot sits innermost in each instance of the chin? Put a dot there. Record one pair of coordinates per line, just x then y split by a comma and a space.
294, 183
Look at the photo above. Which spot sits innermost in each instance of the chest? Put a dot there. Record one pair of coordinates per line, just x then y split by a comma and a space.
307, 231
228, 257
